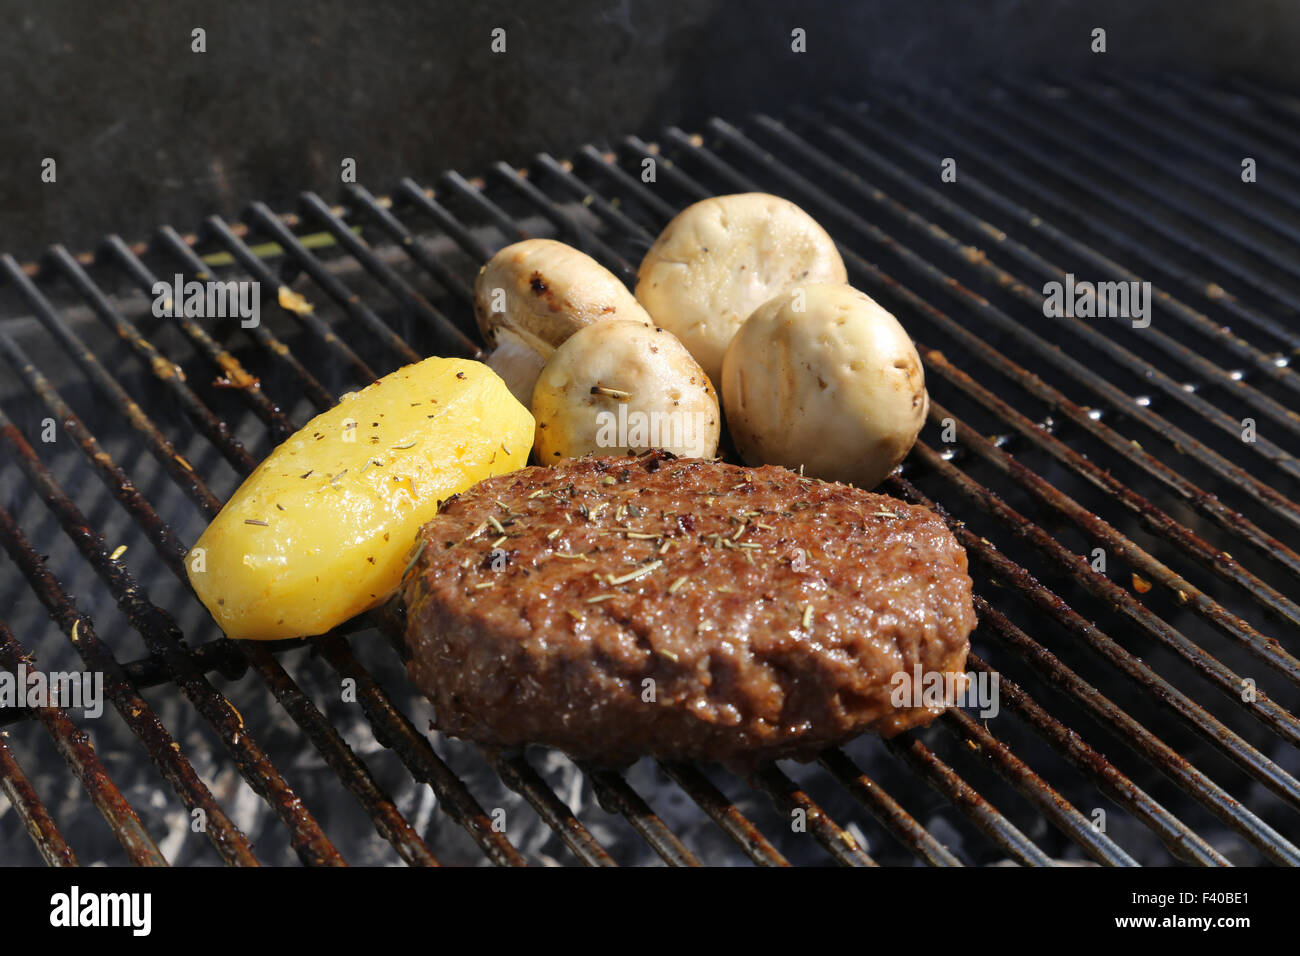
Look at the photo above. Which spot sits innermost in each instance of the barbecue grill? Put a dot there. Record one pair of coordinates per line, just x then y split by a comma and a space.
1126, 496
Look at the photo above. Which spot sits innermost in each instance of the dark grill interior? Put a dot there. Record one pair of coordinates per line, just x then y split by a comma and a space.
1160, 693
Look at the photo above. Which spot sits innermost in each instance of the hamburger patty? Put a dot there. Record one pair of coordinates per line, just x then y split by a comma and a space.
617, 607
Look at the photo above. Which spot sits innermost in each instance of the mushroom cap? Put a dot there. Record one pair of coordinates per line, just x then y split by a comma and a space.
619, 388
721, 258
542, 291
836, 387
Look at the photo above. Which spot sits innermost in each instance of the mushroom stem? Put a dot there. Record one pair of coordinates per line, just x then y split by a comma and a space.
518, 364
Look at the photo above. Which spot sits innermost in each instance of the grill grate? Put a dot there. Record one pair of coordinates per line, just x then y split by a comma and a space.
1067, 430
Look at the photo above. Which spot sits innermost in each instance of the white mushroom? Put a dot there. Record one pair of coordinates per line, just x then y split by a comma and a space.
619, 388
823, 377
533, 295
722, 258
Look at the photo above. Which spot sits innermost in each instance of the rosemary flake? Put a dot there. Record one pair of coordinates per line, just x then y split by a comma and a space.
415, 557
638, 573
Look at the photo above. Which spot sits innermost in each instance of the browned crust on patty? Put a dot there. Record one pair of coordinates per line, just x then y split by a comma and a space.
778, 612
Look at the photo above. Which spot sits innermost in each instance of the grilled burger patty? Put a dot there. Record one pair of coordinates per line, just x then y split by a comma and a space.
617, 607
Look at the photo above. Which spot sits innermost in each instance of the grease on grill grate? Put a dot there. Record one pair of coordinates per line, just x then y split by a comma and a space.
1148, 708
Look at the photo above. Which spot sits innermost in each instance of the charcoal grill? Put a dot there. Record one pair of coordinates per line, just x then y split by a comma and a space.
1149, 710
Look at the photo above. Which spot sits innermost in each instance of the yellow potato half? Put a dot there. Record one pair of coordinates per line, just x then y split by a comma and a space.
323, 529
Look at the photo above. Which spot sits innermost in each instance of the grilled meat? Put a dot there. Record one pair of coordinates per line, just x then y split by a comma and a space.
616, 607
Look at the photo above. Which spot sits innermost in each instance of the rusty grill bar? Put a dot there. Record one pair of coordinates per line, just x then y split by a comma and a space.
1071, 434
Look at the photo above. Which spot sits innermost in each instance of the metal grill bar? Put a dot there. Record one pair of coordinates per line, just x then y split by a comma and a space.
425, 202
1209, 224
75, 748
1256, 124
166, 453
967, 800
392, 729
399, 233
1134, 734
1154, 519
149, 672
616, 796
170, 374
1222, 337
305, 314
320, 396
721, 810
1019, 146
389, 822
604, 227
585, 239
1192, 144
1174, 833
1136, 250
1214, 225
1266, 649
229, 367
887, 810
135, 710
1053, 806
1274, 366
36, 819
518, 774
795, 803
451, 338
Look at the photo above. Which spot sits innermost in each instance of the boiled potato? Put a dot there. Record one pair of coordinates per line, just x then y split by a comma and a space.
323, 529
823, 378
721, 258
